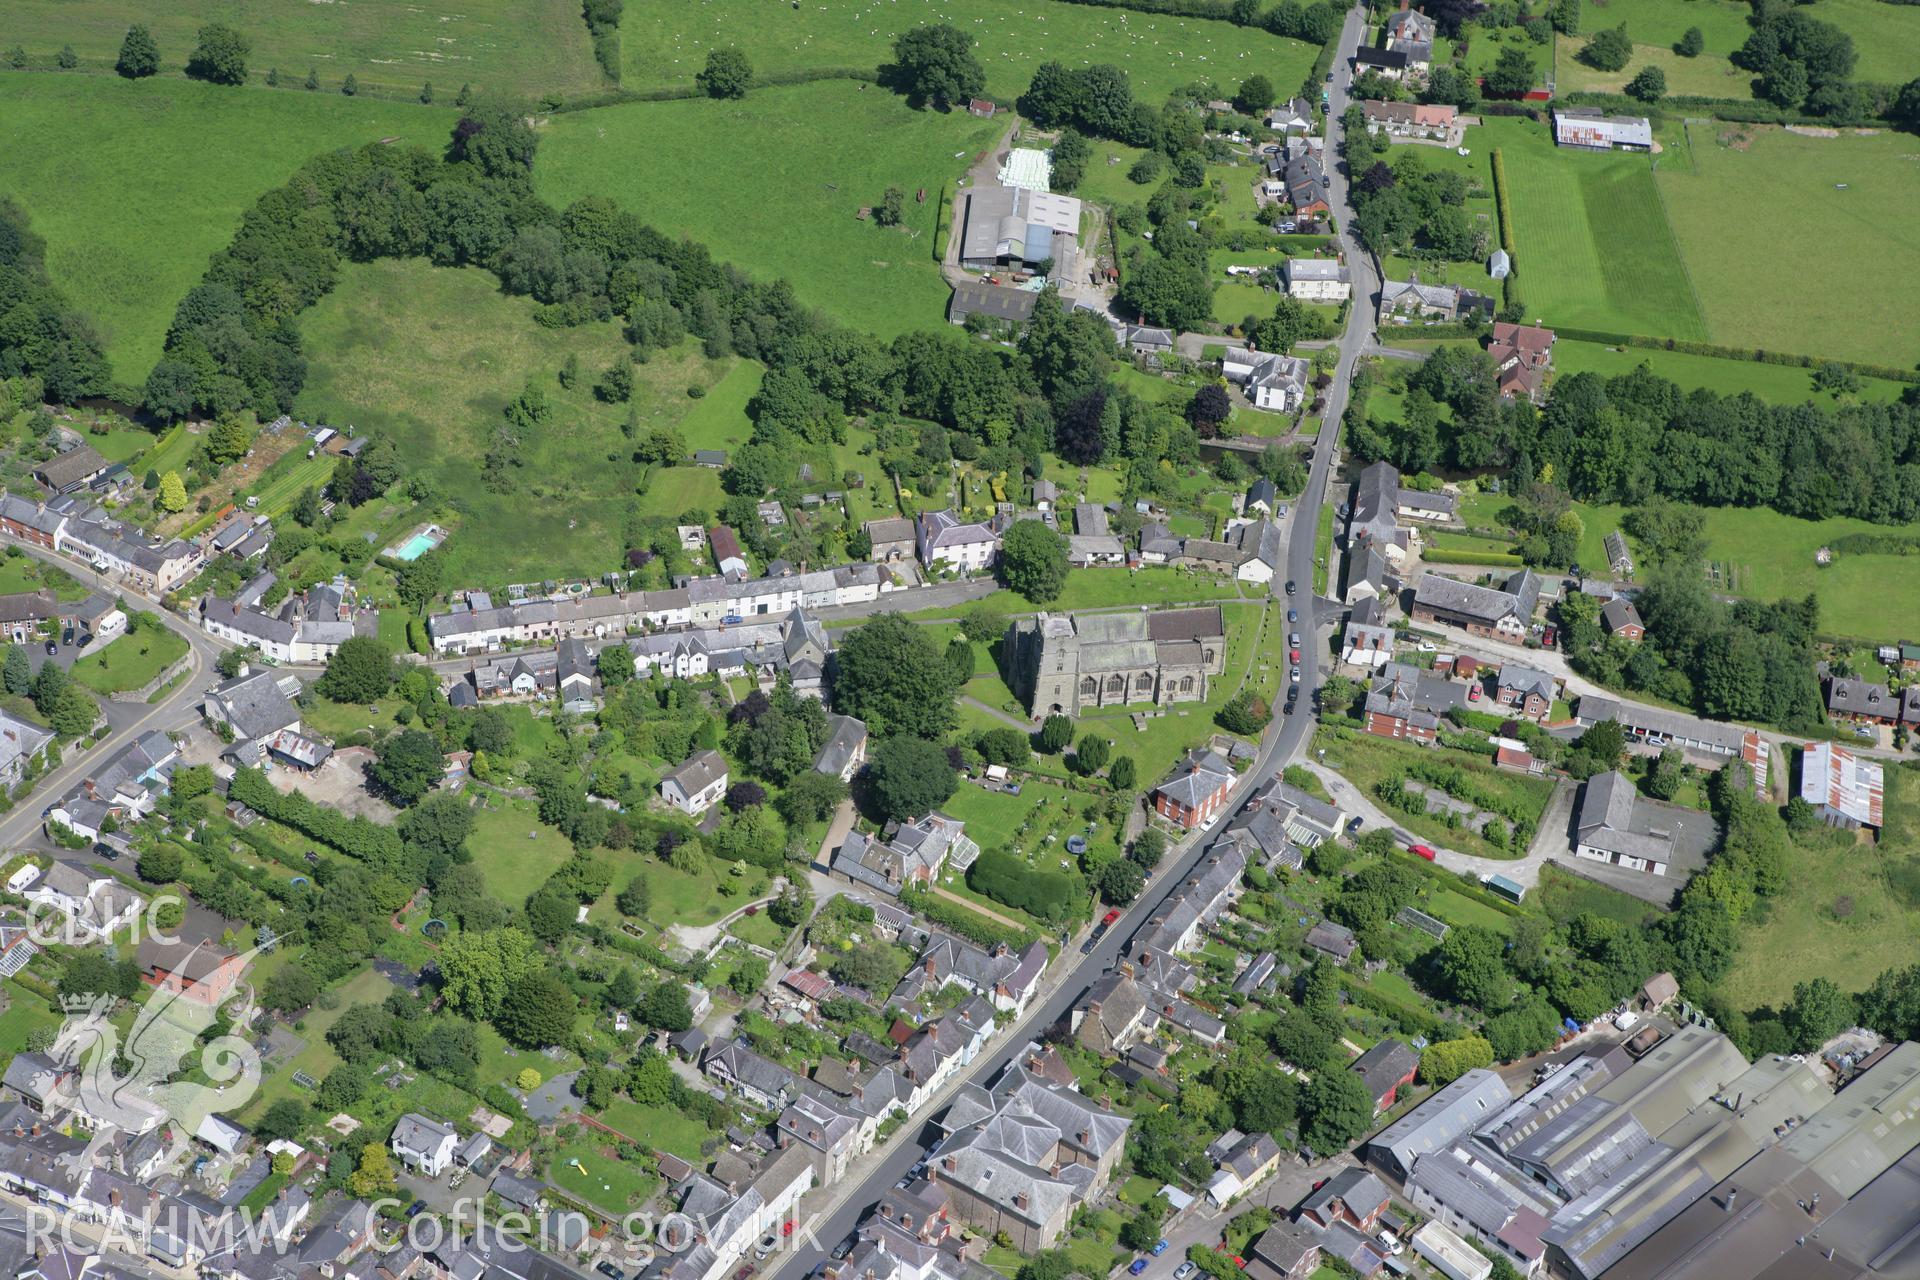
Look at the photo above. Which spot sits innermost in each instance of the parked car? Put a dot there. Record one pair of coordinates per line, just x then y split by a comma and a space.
1184, 1270
1293, 676
1392, 1243
768, 1243
842, 1249
1423, 851
53, 647
416, 1208
1293, 655
1293, 615
610, 1271
1161, 1247
1473, 693
1289, 586
1293, 638
1139, 1265
1288, 708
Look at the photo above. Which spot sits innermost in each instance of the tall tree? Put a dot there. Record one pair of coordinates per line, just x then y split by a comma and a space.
910, 778
935, 63
220, 57
889, 674
139, 55
726, 75
1033, 561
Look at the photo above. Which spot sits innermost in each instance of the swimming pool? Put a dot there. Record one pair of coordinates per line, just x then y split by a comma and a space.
419, 543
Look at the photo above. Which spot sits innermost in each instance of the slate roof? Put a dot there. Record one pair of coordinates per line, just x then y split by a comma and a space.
844, 738
1385, 1065
1619, 612
1516, 598
697, 772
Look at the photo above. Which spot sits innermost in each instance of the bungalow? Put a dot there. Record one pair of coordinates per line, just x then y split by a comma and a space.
1195, 792
1522, 357
1611, 827
1334, 941
1526, 690
1317, 279
947, 541
712, 459
74, 469
696, 783
727, 555
1384, 1069
1618, 617
1845, 790
1495, 613
95, 906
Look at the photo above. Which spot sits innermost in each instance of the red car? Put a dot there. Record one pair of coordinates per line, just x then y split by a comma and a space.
1422, 851
1473, 694
1106, 921
1293, 655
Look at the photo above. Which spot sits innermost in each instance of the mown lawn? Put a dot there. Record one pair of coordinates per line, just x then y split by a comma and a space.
130, 661
381, 347
1562, 896
663, 1128
666, 42
514, 851
1593, 248
1859, 191
532, 46
135, 183
770, 184
589, 1170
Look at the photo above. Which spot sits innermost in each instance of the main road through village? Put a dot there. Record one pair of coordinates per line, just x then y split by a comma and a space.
840, 1209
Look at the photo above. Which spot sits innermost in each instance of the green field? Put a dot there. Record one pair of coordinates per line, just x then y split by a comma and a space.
531, 46
514, 866
1852, 916
770, 184
667, 41
1864, 250
382, 347
131, 661
1770, 557
1778, 383
134, 184
1593, 249
1884, 35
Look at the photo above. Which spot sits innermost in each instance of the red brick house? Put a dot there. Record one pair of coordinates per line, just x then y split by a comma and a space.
1620, 618
207, 972
1195, 792
1526, 690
